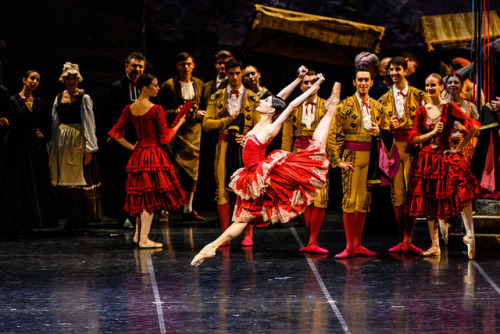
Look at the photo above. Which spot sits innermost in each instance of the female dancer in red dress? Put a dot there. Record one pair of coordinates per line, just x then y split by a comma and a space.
280, 186
151, 181
441, 185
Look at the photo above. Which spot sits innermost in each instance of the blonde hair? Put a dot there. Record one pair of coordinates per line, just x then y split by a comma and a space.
436, 76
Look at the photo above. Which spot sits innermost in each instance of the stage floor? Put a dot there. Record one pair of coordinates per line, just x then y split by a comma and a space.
101, 283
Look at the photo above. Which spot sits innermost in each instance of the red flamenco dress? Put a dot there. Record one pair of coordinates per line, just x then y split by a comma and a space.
277, 187
151, 181
441, 185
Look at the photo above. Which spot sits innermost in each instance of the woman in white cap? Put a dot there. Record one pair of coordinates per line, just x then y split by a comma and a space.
72, 163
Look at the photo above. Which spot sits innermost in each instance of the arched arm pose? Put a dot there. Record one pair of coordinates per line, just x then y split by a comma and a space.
259, 207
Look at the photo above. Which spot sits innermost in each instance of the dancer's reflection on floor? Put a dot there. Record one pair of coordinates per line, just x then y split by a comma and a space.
355, 309
315, 312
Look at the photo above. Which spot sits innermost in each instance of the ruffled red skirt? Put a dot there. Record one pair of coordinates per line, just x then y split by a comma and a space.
151, 182
280, 187
440, 185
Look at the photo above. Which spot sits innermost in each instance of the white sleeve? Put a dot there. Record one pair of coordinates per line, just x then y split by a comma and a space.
55, 123
88, 122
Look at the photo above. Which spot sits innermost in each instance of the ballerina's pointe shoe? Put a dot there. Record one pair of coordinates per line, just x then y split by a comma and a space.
136, 238
397, 248
348, 252
444, 227
146, 243
206, 252
314, 249
360, 250
470, 241
433, 251
410, 248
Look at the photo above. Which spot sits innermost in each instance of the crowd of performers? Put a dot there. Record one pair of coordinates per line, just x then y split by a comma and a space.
274, 157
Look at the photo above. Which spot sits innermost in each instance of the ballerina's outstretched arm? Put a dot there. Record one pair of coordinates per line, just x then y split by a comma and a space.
285, 92
271, 130
321, 133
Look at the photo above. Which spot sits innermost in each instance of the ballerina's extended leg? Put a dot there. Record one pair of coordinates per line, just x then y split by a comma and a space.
323, 129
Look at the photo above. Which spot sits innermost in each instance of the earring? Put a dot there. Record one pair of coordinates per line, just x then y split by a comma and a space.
270, 111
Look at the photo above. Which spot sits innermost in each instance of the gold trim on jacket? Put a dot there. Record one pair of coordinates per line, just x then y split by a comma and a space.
347, 125
412, 102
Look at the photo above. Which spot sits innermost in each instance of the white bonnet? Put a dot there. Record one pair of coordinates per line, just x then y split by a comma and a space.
70, 68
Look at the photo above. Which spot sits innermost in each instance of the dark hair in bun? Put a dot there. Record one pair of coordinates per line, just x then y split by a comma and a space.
278, 104
144, 80
457, 75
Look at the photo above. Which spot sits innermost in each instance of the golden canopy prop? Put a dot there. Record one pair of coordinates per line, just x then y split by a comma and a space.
310, 37
456, 30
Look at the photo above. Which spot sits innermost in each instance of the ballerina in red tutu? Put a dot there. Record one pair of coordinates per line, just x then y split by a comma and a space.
151, 181
441, 185
280, 186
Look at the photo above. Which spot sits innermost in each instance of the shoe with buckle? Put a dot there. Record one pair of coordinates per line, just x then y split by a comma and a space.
192, 215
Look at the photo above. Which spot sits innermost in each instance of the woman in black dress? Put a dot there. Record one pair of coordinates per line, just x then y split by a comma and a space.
27, 160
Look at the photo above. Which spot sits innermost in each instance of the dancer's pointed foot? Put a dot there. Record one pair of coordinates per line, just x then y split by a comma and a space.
136, 238
207, 251
410, 248
362, 251
433, 251
396, 248
314, 249
444, 227
348, 252
247, 242
470, 241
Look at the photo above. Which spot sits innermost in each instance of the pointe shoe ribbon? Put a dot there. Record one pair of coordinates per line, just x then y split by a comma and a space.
444, 227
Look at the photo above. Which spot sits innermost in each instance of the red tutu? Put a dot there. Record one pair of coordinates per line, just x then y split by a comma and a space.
279, 187
151, 180
440, 185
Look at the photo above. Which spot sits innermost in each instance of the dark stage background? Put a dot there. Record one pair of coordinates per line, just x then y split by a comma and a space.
98, 34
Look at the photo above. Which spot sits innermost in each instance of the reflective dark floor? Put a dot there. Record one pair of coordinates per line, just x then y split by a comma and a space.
101, 283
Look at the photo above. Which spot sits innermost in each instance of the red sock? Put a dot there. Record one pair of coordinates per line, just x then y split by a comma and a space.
224, 213
314, 226
359, 223
247, 240
348, 218
307, 215
316, 220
